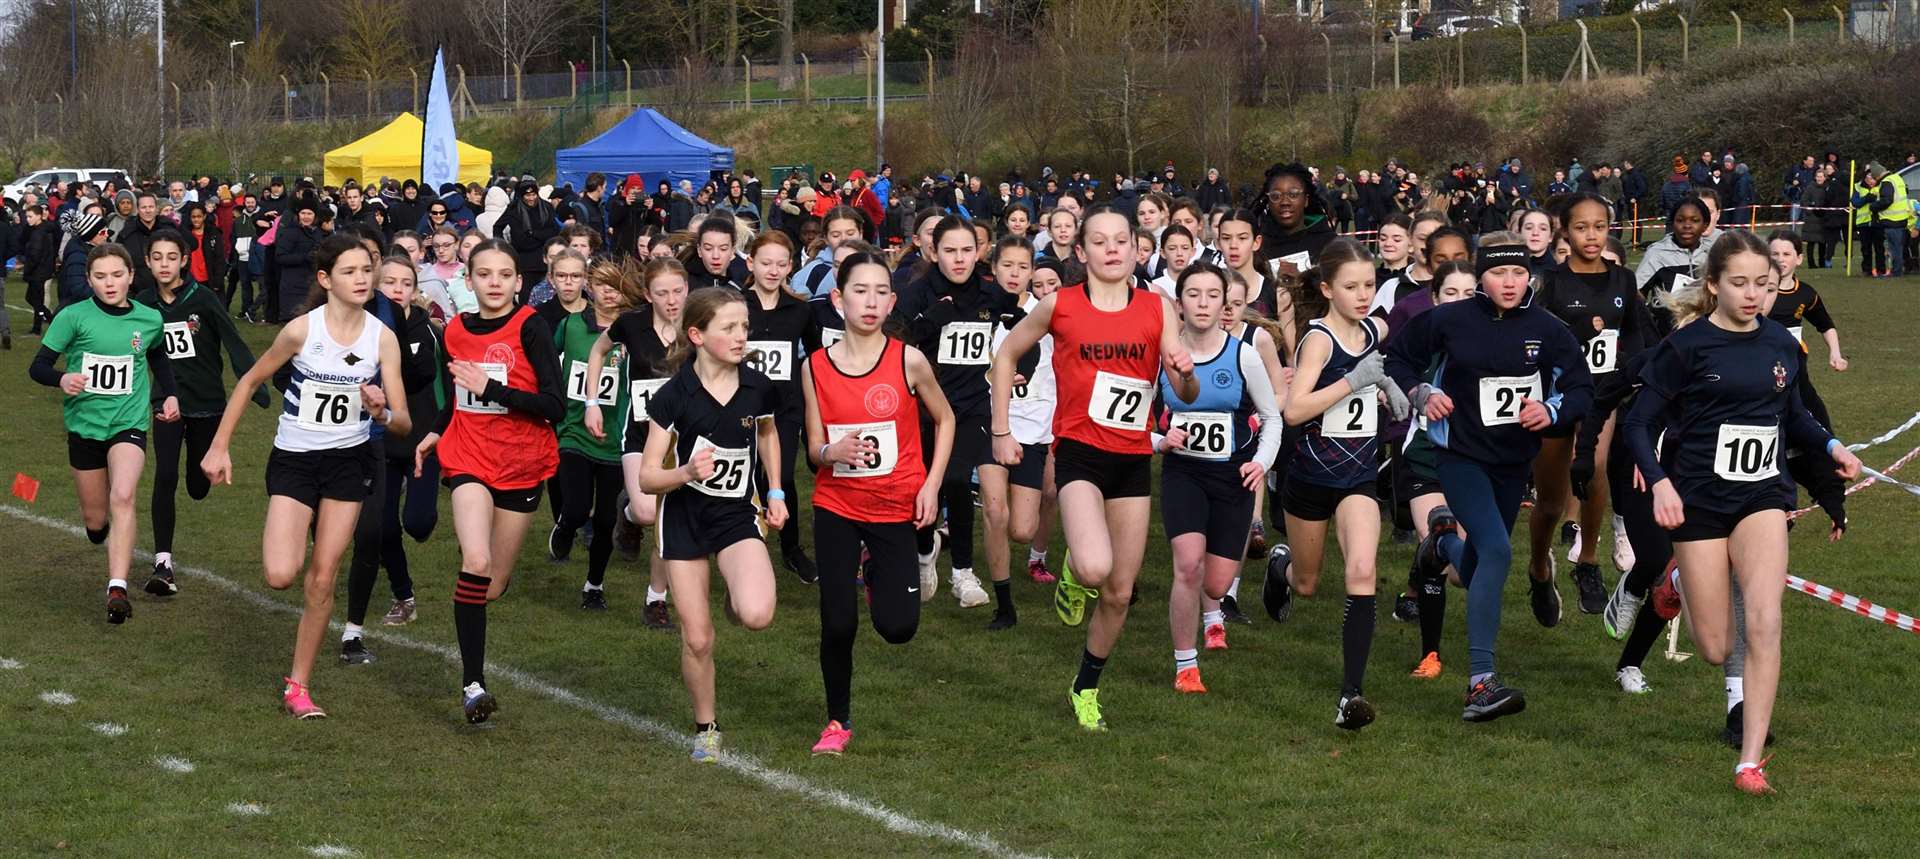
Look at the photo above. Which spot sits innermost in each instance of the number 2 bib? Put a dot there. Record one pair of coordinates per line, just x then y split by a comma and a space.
1119, 402
1500, 398
885, 438
1356, 415
730, 466
1209, 434
1746, 454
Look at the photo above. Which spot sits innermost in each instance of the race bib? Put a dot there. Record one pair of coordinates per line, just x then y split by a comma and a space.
111, 375
179, 340
1797, 335
328, 406
1356, 415
1745, 454
642, 391
771, 357
1500, 398
830, 336
730, 466
1603, 352
1209, 434
965, 342
885, 437
1119, 402
604, 392
469, 401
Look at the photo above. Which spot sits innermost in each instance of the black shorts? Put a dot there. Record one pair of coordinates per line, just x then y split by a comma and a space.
1116, 475
694, 526
308, 476
1315, 503
90, 454
1412, 480
511, 500
633, 440
972, 448
1208, 500
1703, 524
1032, 470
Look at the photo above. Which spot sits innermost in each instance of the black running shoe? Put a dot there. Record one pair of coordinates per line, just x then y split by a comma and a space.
626, 537
477, 703
1546, 603
655, 616
161, 583
1592, 588
1406, 609
1276, 593
800, 565
1230, 611
559, 543
1735, 732
1353, 713
1489, 699
1569, 531
593, 599
1002, 619
119, 608
353, 651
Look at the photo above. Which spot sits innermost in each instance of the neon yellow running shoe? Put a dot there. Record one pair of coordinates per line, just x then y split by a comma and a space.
1069, 596
1086, 708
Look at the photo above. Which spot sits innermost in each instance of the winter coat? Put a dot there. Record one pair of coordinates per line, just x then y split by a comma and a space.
528, 228
293, 247
496, 205
214, 251
73, 273
39, 248
1820, 225
1679, 186
1213, 193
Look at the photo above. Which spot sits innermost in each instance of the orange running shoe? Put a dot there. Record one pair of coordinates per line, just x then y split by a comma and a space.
1187, 680
1429, 667
1753, 780
1217, 636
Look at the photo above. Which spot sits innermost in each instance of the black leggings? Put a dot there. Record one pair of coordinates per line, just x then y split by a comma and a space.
793, 434
956, 487
1652, 549
592, 489
893, 583
37, 299
405, 504
198, 434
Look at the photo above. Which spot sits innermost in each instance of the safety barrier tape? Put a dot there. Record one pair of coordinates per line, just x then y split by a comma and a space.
1861, 607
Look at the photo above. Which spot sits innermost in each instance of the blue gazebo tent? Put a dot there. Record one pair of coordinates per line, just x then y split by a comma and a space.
646, 143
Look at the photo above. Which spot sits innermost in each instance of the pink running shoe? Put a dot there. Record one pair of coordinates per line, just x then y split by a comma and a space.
1217, 636
298, 700
1753, 780
1038, 570
833, 740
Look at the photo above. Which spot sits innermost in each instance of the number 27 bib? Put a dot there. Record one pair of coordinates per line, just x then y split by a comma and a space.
1500, 398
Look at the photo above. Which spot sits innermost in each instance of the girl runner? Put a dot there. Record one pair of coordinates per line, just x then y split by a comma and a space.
1020, 503
865, 394
496, 447
1395, 239
110, 344
1177, 246
1796, 303
1260, 333
1110, 341
950, 313
589, 466
1338, 380
1725, 392
566, 288
323, 461
1239, 240
1536, 230
717, 418
1214, 463
195, 328
778, 321
1509, 371
644, 334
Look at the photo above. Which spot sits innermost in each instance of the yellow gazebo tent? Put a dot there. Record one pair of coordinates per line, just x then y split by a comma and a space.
394, 151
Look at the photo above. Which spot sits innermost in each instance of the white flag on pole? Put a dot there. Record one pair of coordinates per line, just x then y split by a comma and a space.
439, 157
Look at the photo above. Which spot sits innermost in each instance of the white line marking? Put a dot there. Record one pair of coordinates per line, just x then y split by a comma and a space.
739, 762
247, 809
108, 729
57, 699
11, 664
178, 766
332, 850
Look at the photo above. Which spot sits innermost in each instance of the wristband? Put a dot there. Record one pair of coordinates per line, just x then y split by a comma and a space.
1003, 434
593, 402
776, 495
1830, 443
823, 452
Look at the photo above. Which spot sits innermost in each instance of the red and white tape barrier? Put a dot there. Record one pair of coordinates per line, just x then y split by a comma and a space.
1855, 604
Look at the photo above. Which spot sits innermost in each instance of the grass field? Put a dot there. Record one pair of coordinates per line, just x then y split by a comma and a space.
964, 743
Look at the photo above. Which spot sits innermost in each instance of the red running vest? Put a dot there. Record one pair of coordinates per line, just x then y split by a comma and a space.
503, 448
880, 406
1105, 366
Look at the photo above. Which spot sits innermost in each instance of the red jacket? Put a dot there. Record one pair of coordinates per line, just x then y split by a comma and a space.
869, 203
223, 218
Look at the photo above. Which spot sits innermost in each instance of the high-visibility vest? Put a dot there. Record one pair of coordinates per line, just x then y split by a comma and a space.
1901, 212
1863, 213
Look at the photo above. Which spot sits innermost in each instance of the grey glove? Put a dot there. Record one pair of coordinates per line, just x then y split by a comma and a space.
1417, 398
1397, 403
1371, 370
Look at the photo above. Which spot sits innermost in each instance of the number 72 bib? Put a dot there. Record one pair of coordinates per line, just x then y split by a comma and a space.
1119, 402
1500, 398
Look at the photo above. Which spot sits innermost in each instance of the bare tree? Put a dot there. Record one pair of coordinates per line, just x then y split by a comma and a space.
520, 31
114, 119
1121, 54
686, 91
786, 44
963, 105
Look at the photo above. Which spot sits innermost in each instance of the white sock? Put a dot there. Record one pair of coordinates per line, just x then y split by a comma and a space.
116, 583
1736, 691
1210, 618
164, 558
1184, 659
1744, 766
353, 632
1233, 590
960, 571
655, 596
589, 586
925, 559
1036, 555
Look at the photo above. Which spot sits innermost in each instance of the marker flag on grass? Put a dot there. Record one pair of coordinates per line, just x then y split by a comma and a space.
439, 155
25, 488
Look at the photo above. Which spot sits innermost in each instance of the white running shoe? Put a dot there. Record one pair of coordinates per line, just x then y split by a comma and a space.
966, 589
1632, 681
1622, 608
1573, 551
930, 571
1623, 558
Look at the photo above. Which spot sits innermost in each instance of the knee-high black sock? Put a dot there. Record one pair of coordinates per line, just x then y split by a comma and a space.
470, 625
1003, 596
1356, 642
1431, 594
1646, 630
1090, 668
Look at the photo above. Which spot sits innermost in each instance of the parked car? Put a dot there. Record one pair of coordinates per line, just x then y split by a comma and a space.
1464, 24
60, 176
